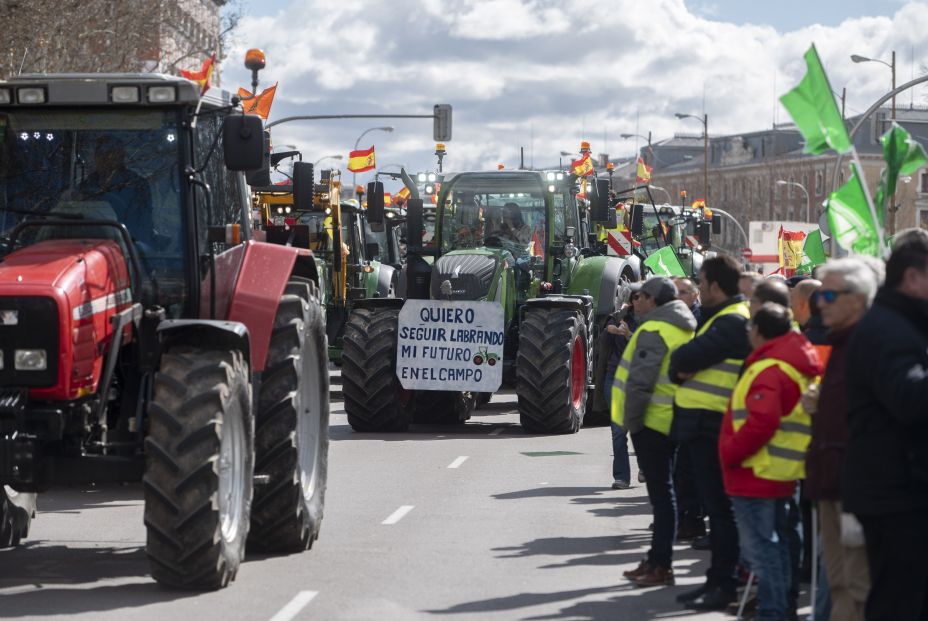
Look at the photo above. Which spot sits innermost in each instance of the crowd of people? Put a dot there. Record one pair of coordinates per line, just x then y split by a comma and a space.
783, 410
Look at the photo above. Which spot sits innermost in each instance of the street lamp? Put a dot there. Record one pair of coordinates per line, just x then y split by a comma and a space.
560, 163
804, 191
387, 128
704, 119
892, 67
646, 139
328, 157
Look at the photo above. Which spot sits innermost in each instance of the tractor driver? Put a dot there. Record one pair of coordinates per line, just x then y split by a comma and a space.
127, 192
513, 226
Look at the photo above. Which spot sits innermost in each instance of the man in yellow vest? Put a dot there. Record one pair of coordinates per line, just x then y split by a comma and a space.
642, 403
762, 447
707, 369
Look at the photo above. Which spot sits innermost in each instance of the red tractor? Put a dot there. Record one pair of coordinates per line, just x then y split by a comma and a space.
145, 333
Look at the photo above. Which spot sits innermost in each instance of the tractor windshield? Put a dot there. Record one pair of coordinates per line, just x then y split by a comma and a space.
120, 165
501, 212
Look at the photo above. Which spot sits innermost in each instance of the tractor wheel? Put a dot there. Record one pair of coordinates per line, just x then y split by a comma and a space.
597, 403
199, 467
551, 370
478, 359
374, 398
16, 512
292, 427
442, 407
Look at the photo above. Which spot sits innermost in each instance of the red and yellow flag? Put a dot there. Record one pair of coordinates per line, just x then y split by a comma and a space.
583, 167
361, 161
403, 194
260, 105
789, 245
203, 76
643, 174
387, 199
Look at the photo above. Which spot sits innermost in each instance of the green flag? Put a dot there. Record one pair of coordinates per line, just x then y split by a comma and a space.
814, 249
903, 156
850, 219
813, 108
664, 262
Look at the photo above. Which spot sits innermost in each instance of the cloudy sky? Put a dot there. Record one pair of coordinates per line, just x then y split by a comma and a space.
545, 75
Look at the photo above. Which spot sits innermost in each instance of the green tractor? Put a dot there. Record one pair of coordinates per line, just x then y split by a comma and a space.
517, 239
310, 215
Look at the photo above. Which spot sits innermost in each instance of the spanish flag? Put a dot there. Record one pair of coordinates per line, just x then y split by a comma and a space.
583, 167
260, 105
700, 203
203, 76
643, 175
387, 199
403, 194
361, 161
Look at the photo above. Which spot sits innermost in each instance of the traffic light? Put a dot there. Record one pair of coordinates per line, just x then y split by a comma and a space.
441, 130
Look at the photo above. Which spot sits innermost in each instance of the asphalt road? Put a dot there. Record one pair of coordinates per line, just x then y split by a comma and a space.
479, 521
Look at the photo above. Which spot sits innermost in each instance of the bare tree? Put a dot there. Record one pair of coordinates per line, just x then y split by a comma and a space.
67, 36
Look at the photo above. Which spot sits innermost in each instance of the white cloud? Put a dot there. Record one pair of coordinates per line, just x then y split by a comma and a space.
561, 71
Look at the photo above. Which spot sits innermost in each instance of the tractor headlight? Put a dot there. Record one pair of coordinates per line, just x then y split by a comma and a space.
31, 95
552, 188
30, 360
124, 94
161, 94
5, 96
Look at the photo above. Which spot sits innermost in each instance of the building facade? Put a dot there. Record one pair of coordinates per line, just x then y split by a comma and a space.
744, 170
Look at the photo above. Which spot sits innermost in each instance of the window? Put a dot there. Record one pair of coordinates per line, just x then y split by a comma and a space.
225, 185
819, 183
923, 218
923, 182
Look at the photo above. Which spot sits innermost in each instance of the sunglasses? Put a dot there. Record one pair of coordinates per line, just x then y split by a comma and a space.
830, 295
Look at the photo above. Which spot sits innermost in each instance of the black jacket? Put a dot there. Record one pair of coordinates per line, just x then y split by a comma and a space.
726, 338
886, 463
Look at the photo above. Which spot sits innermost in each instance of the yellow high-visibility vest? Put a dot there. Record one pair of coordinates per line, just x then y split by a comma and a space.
784, 457
710, 388
659, 412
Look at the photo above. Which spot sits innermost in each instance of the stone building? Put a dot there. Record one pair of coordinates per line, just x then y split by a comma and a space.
744, 170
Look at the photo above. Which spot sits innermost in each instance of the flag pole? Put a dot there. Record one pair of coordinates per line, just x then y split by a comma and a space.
855, 160
193, 123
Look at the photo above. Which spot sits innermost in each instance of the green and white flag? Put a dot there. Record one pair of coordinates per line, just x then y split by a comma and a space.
903, 156
664, 262
813, 252
851, 220
813, 108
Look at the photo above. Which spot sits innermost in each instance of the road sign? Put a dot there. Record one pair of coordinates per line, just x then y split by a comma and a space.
445, 345
747, 253
619, 243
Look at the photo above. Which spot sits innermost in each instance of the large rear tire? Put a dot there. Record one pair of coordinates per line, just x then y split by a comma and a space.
292, 427
551, 370
16, 512
374, 398
199, 467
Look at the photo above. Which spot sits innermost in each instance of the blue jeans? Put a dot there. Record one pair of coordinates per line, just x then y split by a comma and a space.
621, 470
656, 455
763, 533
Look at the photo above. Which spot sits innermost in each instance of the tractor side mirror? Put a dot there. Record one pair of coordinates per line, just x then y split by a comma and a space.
414, 224
371, 250
375, 205
599, 202
303, 182
703, 233
637, 220
716, 224
261, 176
613, 220
243, 142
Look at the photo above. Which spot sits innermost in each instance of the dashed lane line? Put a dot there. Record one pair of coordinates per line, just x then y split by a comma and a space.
497, 431
398, 515
457, 462
295, 605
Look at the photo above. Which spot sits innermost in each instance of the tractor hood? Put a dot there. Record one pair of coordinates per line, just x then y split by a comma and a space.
470, 272
58, 296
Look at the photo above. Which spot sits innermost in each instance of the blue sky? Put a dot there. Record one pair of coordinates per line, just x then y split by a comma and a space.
546, 74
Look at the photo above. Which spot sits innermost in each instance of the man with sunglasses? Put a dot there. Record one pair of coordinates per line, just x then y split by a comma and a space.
848, 288
707, 370
885, 480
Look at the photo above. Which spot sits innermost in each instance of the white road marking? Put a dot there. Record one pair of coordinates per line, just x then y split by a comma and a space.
398, 515
543, 483
295, 605
457, 462
497, 431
